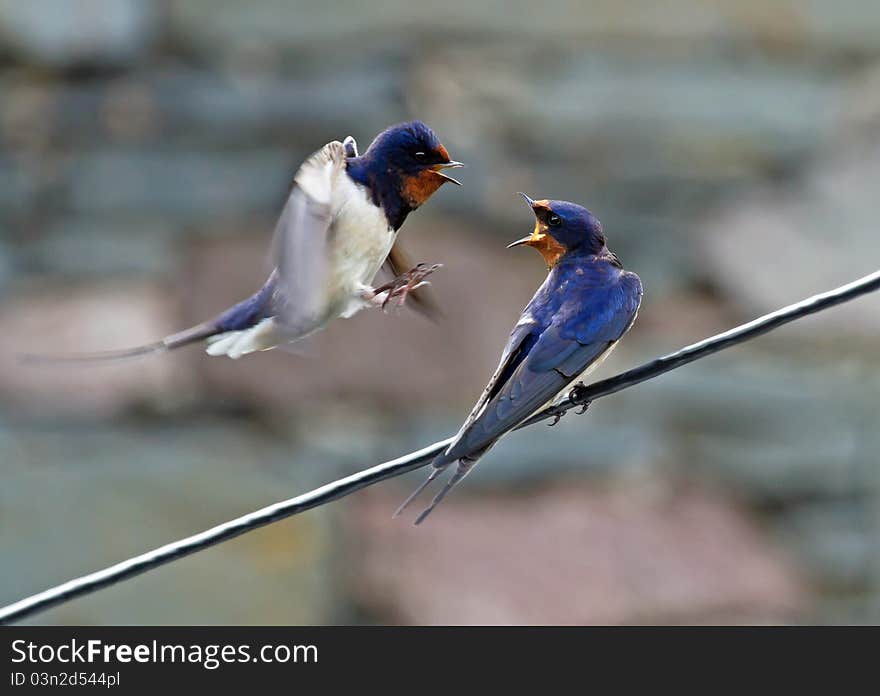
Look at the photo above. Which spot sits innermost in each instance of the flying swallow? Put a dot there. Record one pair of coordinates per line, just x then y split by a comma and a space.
575, 319
338, 228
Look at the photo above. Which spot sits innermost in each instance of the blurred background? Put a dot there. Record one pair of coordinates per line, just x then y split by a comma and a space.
729, 147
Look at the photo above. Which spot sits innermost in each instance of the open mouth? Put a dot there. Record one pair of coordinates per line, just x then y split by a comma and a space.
437, 169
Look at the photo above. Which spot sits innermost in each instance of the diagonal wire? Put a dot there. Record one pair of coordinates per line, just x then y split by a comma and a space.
93, 582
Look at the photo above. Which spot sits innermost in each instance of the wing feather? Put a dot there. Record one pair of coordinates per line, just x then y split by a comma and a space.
301, 238
510, 357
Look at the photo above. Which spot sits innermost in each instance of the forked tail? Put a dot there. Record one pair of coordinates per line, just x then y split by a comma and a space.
464, 464
176, 340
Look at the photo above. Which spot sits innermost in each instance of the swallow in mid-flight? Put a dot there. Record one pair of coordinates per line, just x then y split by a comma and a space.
577, 316
337, 229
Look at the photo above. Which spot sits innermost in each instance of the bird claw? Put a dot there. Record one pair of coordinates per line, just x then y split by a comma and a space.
396, 291
557, 416
576, 396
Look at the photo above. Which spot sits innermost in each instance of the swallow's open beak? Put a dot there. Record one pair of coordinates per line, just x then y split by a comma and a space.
531, 238
520, 242
527, 199
452, 164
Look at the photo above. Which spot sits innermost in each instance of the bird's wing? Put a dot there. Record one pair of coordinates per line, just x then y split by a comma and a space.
301, 237
294, 291
580, 333
423, 300
522, 338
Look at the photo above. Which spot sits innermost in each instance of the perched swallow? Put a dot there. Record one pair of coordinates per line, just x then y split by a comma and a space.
338, 228
575, 319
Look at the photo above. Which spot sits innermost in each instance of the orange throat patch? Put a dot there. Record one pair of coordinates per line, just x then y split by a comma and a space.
419, 188
548, 247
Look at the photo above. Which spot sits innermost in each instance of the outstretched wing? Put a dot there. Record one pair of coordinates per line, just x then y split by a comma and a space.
294, 292
582, 332
301, 238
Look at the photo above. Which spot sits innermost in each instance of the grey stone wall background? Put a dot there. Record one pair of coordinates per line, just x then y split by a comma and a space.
730, 149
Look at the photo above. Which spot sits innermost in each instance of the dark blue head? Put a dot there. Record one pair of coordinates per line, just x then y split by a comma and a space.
403, 168
562, 228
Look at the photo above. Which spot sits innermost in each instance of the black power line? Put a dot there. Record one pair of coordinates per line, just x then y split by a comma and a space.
93, 582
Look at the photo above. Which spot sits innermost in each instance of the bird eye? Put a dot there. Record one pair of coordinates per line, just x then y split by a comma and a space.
554, 221
420, 156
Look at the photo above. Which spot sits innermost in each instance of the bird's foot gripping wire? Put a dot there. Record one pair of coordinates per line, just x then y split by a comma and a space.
577, 396
394, 293
557, 412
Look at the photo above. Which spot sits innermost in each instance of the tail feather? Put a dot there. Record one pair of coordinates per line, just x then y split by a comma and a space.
194, 334
176, 340
439, 465
463, 469
435, 472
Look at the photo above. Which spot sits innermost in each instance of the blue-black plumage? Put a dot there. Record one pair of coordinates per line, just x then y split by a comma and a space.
583, 308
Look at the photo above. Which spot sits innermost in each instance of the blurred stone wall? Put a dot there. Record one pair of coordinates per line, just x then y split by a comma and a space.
730, 150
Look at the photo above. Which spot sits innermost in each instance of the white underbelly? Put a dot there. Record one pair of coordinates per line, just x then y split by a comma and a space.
360, 241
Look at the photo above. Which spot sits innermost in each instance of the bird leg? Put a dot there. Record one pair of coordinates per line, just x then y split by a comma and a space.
395, 292
557, 414
576, 396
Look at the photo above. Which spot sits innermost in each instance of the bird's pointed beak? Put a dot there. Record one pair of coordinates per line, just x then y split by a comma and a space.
535, 237
451, 164
527, 199
520, 242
